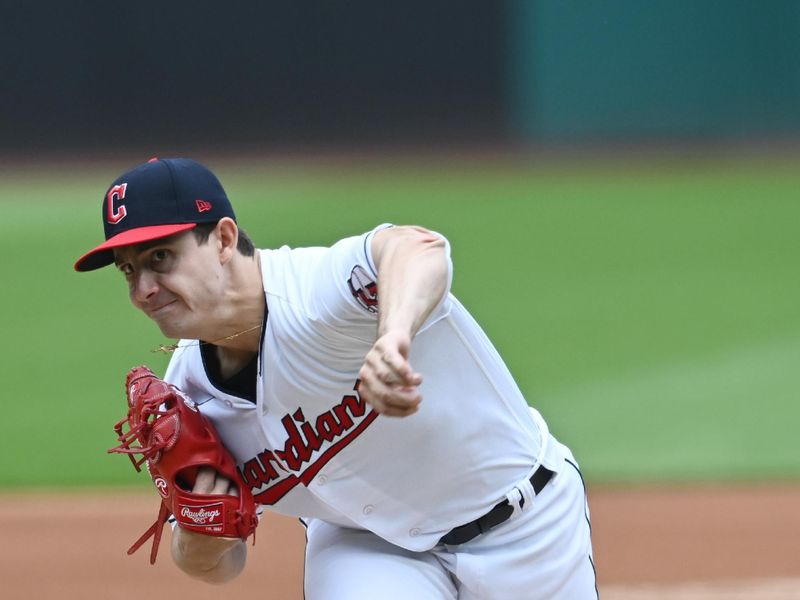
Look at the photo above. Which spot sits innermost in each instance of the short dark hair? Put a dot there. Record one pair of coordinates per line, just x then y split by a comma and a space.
244, 245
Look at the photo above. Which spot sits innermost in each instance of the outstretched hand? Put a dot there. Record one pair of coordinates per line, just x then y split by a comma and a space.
388, 383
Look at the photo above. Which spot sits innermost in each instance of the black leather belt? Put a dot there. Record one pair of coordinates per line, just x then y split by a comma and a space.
499, 514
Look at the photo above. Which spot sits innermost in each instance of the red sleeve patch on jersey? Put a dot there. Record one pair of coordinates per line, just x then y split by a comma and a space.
364, 288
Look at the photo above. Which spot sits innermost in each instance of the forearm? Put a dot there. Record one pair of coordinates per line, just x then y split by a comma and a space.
412, 279
207, 558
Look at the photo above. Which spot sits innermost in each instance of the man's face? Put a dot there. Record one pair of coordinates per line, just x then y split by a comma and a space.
175, 282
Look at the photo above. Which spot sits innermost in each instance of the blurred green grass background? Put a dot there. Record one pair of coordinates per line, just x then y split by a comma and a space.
648, 308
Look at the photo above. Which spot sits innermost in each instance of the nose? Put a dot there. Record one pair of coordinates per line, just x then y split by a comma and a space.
143, 288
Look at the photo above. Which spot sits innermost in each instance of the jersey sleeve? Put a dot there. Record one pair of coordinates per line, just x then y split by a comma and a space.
349, 278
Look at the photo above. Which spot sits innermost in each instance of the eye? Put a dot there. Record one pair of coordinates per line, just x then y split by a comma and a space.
126, 269
160, 260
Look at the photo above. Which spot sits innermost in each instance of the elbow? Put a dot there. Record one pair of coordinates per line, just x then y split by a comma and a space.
215, 577
427, 245
210, 577
217, 574
215, 561
427, 239
436, 249
434, 252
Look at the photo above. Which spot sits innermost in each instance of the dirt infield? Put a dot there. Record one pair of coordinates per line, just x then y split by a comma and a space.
708, 543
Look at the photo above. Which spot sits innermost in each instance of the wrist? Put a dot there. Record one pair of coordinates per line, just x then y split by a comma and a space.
397, 328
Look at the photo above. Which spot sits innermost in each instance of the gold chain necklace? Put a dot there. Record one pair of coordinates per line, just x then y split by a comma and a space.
168, 349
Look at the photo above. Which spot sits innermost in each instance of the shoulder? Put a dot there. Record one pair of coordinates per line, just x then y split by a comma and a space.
285, 270
281, 266
392, 237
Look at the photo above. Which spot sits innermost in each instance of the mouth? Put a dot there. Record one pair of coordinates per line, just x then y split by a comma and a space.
159, 310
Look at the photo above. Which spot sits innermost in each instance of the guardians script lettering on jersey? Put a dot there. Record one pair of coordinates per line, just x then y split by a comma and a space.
310, 444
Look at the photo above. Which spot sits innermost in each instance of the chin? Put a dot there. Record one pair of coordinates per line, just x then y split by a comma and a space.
175, 331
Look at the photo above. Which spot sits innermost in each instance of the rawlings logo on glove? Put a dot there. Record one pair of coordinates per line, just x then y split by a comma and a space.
201, 516
176, 440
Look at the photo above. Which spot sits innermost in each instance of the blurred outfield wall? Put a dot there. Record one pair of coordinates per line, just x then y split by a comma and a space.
660, 68
202, 74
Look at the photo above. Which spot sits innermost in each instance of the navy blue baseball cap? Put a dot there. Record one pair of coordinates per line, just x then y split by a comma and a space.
157, 199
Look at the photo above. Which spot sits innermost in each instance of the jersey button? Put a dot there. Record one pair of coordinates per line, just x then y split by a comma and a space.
414, 532
322, 480
368, 509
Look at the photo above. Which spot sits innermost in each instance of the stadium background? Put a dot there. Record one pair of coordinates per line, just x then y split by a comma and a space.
619, 184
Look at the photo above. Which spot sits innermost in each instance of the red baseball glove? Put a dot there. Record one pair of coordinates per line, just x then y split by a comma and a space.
175, 440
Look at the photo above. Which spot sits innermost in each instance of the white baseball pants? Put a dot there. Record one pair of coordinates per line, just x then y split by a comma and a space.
545, 553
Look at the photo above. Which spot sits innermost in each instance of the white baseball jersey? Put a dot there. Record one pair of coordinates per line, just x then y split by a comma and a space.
310, 447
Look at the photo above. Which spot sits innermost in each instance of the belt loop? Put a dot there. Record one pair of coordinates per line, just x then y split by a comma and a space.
516, 500
519, 496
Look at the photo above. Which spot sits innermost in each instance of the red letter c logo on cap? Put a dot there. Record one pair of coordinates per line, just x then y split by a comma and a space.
116, 193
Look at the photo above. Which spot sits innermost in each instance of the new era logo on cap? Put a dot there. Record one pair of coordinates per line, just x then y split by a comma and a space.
157, 199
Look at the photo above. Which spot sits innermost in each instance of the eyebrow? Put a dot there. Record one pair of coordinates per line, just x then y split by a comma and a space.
144, 247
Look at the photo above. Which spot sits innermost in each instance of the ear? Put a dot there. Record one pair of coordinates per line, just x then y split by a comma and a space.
227, 233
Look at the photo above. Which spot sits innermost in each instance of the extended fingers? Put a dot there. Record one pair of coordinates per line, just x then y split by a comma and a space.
204, 482
208, 481
221, 486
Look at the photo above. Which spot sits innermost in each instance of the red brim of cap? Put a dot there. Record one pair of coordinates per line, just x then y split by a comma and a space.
103, 255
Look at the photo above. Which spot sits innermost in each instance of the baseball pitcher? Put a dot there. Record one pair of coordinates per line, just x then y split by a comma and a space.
350, 389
